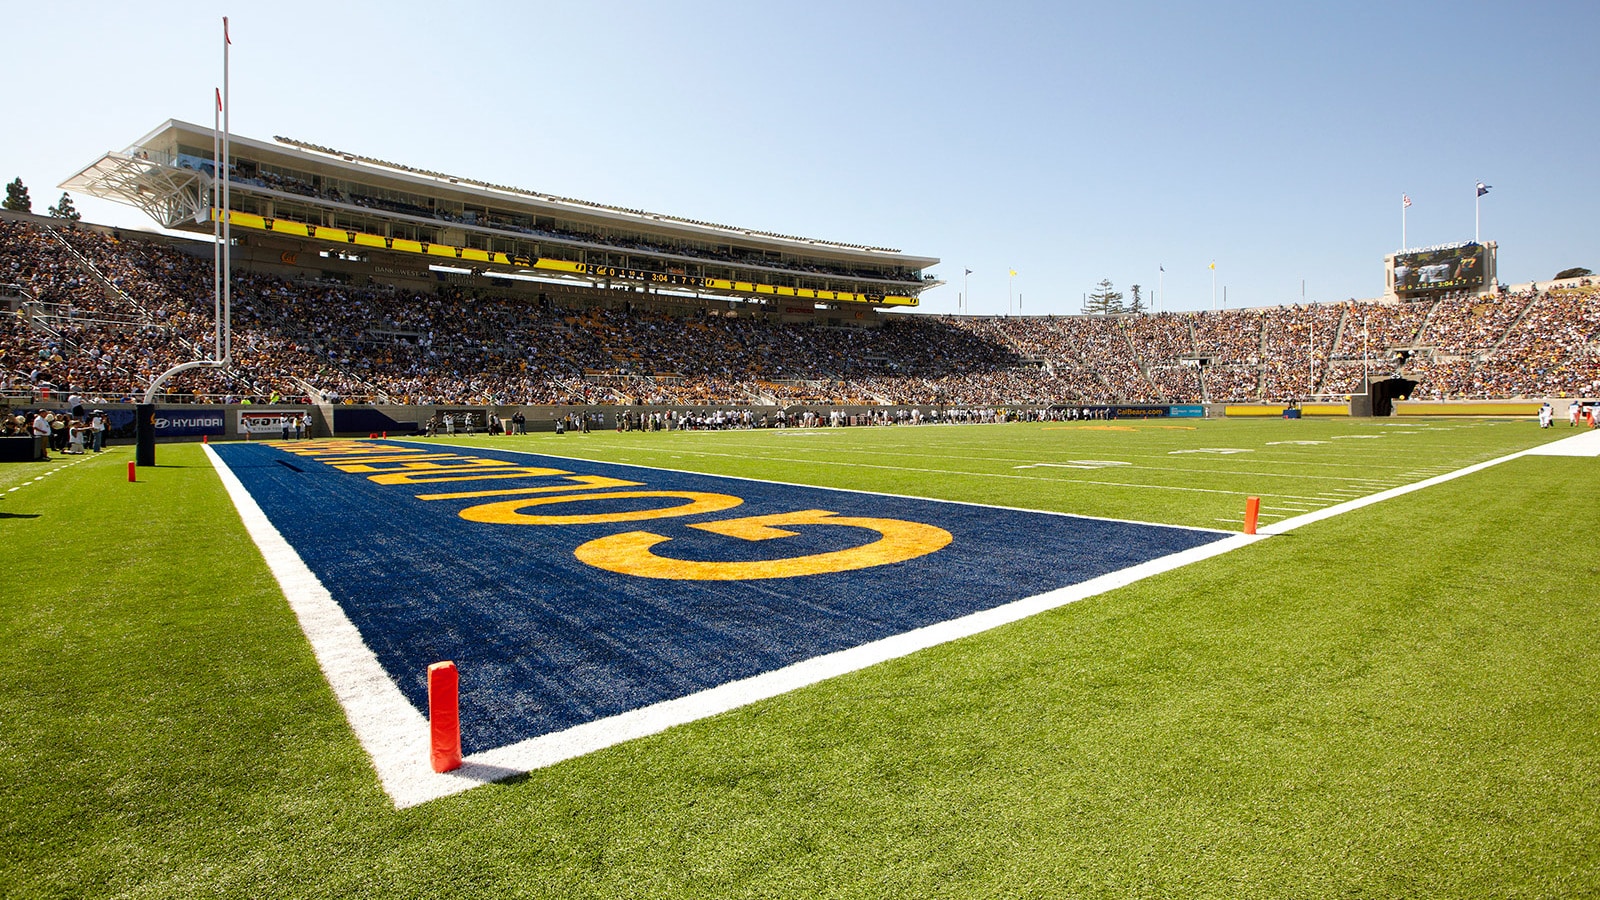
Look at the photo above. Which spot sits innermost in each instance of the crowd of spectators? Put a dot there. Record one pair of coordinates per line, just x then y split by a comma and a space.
105, 316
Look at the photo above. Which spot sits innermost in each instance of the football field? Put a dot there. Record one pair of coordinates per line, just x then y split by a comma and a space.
1107, 689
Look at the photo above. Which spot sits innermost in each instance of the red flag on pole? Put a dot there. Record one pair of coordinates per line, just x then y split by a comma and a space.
225, 37
219, 99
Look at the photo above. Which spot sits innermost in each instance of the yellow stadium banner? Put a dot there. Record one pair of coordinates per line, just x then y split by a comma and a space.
1241, 410
560, 266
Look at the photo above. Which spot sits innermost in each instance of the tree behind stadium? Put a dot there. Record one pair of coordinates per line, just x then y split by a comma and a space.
17, 197
65, 209
1104, 300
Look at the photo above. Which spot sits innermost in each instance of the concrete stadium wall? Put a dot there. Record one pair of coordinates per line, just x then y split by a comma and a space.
1472, 408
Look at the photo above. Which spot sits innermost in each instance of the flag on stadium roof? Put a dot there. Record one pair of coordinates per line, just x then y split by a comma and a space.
969, 271
1405, 200
1482, 189
1212, 267
1013, 273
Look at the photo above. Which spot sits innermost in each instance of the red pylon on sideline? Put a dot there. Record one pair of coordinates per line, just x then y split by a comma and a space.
444, 716
130, 471
205, 439
1252, 511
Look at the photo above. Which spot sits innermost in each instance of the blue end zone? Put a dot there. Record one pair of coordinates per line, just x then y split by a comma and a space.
545, 641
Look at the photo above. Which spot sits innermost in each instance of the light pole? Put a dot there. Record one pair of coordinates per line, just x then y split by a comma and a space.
1313, 347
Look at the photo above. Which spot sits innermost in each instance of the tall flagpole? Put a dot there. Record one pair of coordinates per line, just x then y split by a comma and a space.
144, 419
216, 223
1313, 338
1482, 189
227, 229
1161, 285
1009, 281
1213, 287
966, 288
1405, 204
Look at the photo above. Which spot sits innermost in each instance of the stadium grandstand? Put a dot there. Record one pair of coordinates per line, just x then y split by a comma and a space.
294, 196
359, 281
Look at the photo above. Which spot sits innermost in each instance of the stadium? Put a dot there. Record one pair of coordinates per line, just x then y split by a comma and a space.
759, 579
364, 281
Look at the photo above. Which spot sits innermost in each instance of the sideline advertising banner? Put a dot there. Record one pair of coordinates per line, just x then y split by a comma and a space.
188, 422
267, 421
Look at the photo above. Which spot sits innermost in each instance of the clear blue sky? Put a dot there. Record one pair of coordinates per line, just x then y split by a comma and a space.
1071, 142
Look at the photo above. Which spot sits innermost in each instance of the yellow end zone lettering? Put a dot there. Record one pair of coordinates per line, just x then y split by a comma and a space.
509, 512
630, 553
354, 463
575, 483
488, 470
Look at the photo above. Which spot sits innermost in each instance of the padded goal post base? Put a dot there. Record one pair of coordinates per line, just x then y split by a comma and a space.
444, 716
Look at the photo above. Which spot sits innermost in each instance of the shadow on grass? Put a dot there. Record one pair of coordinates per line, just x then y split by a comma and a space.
6, 515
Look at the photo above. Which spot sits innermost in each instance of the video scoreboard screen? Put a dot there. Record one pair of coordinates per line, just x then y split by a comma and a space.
1450, 268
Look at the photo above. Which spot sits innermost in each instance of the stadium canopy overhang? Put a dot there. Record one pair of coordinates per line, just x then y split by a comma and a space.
292, 191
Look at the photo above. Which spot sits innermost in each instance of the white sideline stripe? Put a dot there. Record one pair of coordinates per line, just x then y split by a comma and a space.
1587, 444
394, 733
391, 730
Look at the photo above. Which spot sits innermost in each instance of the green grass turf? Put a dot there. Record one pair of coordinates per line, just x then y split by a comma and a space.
1397, 702
1171, 471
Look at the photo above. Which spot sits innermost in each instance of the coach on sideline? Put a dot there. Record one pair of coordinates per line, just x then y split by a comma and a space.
41, 429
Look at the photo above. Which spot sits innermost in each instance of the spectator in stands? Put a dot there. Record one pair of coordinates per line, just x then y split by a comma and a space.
141, 309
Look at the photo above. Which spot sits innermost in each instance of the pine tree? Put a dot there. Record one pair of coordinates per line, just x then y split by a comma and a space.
1136, 305
17, 197
1104, 301
65, 209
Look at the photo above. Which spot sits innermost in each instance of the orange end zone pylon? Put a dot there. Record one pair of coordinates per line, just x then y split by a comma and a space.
1252, 511
444, 716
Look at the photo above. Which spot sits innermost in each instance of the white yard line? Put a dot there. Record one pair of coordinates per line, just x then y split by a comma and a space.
1288, 525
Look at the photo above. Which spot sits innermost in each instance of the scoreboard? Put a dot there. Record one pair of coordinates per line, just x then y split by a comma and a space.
1465, 266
